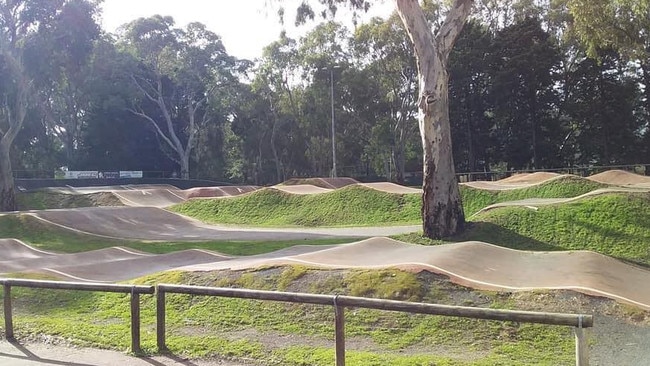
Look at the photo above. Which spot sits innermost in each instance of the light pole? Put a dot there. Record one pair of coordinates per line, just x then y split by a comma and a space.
333, 123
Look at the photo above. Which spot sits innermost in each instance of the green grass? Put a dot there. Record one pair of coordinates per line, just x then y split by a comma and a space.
358, 206
616, 224
348, 206
203, 326
52, 238
565, 187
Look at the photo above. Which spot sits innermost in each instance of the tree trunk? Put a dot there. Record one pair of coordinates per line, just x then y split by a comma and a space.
7, 192
278, 164
185, 165
442, 211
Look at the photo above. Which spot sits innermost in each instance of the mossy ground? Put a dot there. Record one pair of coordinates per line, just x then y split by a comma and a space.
292, 334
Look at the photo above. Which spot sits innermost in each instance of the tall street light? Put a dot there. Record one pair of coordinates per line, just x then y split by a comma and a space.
331, 70
333, 123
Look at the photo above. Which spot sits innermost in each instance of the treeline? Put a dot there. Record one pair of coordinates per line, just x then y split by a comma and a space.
157, 97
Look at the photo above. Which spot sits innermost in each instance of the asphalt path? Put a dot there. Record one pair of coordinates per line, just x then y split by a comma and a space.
39, 354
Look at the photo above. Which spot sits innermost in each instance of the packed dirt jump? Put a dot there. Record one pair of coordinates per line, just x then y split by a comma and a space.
155, 224
522, 180
621, 178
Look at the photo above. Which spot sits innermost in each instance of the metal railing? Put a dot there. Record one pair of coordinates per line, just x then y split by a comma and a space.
134, 290
578, 321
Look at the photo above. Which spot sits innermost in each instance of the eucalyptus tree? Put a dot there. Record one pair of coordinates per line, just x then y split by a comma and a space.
179, 71
21, 23
442, 211
111, 135
14, 88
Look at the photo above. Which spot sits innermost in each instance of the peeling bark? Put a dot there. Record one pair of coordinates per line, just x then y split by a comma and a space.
442, 211
13, 113
7, 192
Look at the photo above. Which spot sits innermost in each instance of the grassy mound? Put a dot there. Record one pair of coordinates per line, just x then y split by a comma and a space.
358, 206
349, 206
613, 224
203, 326
53, 238
44, 200
475, 199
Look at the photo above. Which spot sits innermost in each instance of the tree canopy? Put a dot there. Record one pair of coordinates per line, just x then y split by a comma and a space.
532, 85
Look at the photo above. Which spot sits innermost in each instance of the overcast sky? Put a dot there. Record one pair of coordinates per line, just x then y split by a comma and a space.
245, 26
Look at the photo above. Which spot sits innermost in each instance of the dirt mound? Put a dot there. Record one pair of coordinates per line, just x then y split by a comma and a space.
55, 261
496, 186
47, 199
221, 191
150, 197
12, 249
126, 269
480, 265
329, 183
391, 188
536, 177
619, 178
302, 189
525, 180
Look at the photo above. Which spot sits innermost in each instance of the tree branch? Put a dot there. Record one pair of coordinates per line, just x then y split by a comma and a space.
140, 113
416, 25
453, 25
143, 90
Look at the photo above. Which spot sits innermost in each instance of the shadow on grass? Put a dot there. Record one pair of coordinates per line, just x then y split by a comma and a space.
494, 234
498, 235
486, 232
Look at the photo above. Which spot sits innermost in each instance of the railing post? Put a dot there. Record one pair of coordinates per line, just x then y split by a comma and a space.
135, 322
582, 348
160, 319
9, 322
339, 330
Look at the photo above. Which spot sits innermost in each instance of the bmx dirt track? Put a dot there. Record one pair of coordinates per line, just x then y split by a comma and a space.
472, 264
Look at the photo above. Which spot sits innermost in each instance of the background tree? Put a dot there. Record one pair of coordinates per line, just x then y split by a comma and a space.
621, 25
469, 87
62, 78
179, 71
21, 22
524, 62
385, 54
